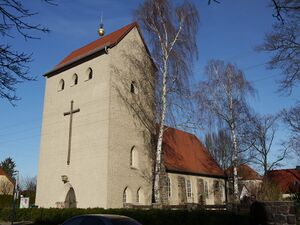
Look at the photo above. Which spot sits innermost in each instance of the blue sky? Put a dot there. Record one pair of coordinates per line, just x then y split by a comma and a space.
227, 31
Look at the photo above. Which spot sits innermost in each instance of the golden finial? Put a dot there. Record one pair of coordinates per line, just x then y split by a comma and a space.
101, 30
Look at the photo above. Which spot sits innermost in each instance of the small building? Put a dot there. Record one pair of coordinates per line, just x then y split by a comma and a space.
288, 180
193, 175
6, 183
249, 180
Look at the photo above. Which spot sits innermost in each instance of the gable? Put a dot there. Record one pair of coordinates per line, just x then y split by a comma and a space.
94, 49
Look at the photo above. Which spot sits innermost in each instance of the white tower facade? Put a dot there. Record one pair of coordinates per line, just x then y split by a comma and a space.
95, 146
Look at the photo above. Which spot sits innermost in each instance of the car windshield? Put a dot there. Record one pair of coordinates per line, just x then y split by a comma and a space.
123, 221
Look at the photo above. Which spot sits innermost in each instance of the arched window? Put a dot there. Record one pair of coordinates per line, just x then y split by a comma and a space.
188, 189
133, 88
206, 189
133, 157
89, 73
75, 79
168, 187
61, 85
140, 196
126, 195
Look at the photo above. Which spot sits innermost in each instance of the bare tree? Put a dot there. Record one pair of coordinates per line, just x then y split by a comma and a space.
223, 94
28, 184
220, 146
291, 118
171, 31
284, 43
263, 133
13, 64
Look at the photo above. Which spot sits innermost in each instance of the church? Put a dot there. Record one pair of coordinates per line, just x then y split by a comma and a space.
96, 139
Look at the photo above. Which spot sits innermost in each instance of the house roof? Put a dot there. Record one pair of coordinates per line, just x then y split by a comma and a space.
184, 153
94, 47
245, 172
288, 180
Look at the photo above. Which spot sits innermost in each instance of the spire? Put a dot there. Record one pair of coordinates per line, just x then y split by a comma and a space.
101, 30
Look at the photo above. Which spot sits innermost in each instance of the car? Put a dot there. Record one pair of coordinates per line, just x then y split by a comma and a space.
101, 219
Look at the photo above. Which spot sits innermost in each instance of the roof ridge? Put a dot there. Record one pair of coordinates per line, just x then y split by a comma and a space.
110, 40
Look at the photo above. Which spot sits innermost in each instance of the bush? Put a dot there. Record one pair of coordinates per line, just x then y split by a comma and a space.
6, 201
146, 217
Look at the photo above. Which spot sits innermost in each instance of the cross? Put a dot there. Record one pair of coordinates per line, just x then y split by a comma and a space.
71, 112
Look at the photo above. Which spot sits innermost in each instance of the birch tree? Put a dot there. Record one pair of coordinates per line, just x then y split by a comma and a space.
171, 33
223, 94
219, 145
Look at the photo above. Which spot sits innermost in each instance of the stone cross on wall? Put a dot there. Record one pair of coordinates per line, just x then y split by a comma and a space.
71, 112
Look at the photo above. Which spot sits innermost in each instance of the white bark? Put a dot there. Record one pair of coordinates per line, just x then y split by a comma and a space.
158, 162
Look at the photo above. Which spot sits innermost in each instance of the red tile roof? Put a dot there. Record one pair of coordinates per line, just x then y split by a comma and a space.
245, 172
288, 180
184, 153
109, 40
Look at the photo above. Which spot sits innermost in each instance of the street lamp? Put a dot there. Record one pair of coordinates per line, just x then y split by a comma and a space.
15, 195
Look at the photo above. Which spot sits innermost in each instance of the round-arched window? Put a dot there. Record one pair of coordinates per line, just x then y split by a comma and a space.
75, 79
61, 85
89, 73
133, 157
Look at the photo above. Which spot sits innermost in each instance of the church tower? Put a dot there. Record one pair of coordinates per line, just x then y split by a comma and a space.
97, 121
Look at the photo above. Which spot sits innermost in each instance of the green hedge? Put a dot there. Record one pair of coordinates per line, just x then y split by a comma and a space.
6, 201
146, 217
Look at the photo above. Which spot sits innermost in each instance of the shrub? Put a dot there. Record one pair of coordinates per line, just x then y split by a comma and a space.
6, 201
146, 217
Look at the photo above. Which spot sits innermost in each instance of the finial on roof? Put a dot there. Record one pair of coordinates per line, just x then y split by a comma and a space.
101, 30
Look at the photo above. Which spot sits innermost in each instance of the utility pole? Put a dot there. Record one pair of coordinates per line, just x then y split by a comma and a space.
15, 196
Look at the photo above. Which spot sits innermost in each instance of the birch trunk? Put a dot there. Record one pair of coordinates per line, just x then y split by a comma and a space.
234, 161
157, 188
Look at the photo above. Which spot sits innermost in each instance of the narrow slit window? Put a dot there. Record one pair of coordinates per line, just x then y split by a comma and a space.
133, 88
61, 85
89, 74
75, 79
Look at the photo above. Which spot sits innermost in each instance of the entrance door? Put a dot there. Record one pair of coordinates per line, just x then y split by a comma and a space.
70, 201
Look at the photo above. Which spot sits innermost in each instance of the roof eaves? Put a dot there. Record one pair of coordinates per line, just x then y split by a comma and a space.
70, 63
196, 173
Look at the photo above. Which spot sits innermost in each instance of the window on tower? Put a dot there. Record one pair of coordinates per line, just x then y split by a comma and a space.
133, 157
89, 73
133, 88
75, 79
61, 85
126, 195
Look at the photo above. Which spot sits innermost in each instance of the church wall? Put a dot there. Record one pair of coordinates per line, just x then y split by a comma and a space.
125, 129
87, 172
209, 200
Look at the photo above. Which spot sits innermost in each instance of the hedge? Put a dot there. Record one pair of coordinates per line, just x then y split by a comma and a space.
146, 217
6, 201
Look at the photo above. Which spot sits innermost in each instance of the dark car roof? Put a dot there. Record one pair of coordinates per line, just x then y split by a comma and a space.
110, 217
